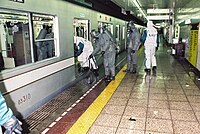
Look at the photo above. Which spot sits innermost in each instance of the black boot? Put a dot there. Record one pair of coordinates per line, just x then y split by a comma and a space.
127, 71
96, 73
154, 70
148, 71
134, 71
134, 68
112, 78
107, 77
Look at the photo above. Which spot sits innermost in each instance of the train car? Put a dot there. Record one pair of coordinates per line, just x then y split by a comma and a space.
37, 46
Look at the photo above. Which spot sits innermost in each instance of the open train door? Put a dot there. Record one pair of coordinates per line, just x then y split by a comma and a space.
81, 29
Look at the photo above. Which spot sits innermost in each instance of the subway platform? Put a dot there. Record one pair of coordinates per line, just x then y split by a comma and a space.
165, 103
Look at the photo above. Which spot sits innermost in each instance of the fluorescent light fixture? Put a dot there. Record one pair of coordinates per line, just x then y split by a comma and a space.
188, 21
157, 24
159, 17
157, 11
180, 21
182, 18
123, 11
137, 4
188, 10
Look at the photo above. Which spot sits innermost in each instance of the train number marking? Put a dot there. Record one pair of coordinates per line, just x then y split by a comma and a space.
24, 98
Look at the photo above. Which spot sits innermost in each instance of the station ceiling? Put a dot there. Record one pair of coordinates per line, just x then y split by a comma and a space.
138, 10
183, 9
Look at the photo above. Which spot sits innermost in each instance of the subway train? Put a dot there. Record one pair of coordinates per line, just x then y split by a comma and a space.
37, 48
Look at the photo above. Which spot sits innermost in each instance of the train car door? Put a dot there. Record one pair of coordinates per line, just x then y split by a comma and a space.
81, 32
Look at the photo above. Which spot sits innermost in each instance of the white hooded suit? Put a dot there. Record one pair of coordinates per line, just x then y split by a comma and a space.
150, 44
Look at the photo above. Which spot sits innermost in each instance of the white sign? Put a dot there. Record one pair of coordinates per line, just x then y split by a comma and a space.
157, 11
159, 17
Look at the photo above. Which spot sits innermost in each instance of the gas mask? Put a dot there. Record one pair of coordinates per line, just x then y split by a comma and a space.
95, 35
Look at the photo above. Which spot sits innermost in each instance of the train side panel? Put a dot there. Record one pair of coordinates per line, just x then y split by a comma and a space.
29, 86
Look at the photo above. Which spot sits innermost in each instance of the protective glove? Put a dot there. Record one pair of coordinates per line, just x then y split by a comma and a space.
132, 51
102, 53
13, 126
90, 56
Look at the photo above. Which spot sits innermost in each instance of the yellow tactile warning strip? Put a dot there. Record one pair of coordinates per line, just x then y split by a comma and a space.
85, 121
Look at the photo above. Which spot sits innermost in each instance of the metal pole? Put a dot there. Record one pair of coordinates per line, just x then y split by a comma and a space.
31, 36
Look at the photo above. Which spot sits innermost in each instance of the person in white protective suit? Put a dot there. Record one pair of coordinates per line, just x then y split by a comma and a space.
11, 124
84, 50
107, 45
150, 41
133, 43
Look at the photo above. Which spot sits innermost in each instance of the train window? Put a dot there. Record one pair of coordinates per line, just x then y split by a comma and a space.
100, 25
44, 41
109, 27
81, 28
25, 38
14, 39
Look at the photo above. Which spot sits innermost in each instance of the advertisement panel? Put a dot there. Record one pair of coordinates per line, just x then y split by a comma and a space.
198, 53
193, 47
